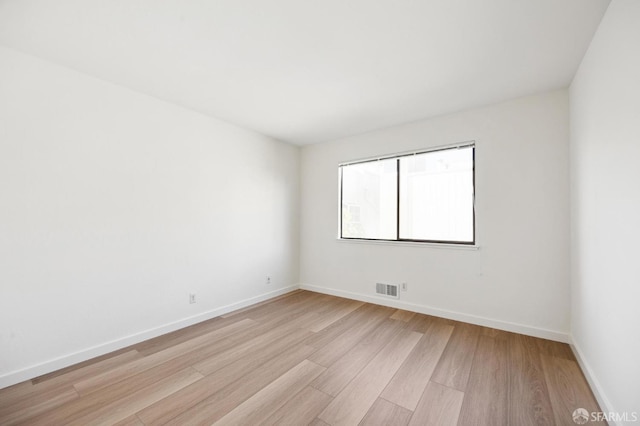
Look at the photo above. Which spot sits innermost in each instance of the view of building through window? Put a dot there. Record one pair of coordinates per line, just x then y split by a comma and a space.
426, 196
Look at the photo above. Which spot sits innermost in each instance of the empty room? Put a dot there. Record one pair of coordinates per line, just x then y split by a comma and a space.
385, 212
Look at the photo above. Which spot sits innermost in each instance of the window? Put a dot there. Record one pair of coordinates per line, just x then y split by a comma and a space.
423, 196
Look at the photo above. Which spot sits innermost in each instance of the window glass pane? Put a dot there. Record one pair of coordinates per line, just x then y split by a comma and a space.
436, 196
369, 200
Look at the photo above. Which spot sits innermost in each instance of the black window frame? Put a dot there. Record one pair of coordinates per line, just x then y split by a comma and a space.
397, 157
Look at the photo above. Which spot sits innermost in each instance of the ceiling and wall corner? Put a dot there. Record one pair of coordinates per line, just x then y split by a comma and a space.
306, 72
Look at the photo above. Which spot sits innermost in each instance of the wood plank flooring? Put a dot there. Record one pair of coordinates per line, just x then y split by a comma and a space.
312, 359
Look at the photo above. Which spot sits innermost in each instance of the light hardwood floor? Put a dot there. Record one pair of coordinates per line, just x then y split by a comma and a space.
307, 358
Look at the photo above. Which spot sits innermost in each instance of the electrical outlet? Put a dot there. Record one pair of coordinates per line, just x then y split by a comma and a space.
192, 298
404, 287
268, 280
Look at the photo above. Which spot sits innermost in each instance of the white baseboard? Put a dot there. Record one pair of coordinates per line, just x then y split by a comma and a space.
596, 388
458, 316
92, 352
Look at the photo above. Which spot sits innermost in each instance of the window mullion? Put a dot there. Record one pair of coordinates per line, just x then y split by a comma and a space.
398, 199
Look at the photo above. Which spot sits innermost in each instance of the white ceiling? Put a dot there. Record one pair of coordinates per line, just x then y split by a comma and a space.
308, 71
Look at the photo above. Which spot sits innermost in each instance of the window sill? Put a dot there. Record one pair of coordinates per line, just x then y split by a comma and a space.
412, 243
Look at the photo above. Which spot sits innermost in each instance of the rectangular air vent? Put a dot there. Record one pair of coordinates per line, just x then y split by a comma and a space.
389, 290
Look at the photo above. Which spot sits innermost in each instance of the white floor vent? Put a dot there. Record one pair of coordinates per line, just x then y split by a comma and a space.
389, 290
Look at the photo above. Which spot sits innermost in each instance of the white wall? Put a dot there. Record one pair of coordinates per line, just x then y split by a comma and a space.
605, 184
519, 278
114, 206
